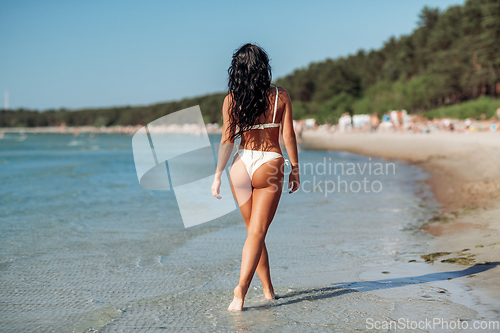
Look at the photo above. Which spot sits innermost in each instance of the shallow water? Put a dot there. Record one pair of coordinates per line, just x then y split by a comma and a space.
84, 248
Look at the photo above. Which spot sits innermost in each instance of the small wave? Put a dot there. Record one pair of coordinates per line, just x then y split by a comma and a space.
94, 320
158, 261
392, 210
75, 143
16, 137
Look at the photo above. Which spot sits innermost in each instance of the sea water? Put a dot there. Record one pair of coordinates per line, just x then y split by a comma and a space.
83, 247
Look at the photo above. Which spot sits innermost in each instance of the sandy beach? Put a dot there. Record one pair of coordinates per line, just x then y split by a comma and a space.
465, 180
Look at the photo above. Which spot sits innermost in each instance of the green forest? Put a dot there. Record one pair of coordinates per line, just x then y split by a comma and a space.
451, 59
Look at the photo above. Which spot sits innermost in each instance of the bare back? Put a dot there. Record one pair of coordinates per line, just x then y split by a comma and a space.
267, 139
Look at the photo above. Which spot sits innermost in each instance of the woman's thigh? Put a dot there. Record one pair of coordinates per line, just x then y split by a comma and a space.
267, 184
241, 185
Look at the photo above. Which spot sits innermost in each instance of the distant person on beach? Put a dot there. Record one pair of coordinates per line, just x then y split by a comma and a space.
345, 122
401, 115
395, 115
386, 123
253, 110
374, 122
467, 123
497, 114
298, 126
310, 123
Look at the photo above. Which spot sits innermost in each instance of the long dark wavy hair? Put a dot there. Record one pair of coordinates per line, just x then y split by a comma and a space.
249, 81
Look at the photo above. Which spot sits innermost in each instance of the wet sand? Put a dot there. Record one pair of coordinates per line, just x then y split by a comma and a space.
465, 180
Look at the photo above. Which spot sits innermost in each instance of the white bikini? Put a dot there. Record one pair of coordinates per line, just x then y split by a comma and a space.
253, 159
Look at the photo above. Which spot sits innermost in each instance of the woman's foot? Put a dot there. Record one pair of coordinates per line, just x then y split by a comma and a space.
269, 293
239, 297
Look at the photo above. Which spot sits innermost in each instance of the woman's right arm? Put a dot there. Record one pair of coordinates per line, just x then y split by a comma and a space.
225, 147
290, 143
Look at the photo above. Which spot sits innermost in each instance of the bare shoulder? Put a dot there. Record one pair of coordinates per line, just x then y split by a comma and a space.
228, 98
228, 102
283, 93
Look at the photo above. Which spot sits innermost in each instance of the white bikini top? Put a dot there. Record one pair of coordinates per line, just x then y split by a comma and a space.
268, 125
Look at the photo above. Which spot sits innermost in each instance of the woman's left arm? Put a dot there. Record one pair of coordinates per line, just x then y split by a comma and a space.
225, 148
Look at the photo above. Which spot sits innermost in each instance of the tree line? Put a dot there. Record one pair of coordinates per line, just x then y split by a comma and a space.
451, 57
128, 115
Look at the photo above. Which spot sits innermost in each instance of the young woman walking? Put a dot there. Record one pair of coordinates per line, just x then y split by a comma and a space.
253, 110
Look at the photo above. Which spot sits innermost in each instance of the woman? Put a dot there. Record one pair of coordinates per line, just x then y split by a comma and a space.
253, 111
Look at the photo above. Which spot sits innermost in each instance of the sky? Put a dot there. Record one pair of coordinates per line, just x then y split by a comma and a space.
102, 53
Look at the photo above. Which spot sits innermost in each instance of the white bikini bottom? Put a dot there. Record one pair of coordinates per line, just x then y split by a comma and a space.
253, 159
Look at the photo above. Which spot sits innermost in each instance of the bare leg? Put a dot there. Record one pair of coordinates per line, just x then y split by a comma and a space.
242, 190
266, 193
263, 266
264, 274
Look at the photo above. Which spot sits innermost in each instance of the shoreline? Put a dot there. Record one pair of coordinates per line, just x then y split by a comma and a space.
126, 130
465, 181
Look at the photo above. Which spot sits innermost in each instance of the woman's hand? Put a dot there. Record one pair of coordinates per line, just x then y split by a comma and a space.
216, 187
294, 179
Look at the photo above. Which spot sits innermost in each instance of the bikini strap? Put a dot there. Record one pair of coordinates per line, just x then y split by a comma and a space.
275, 104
